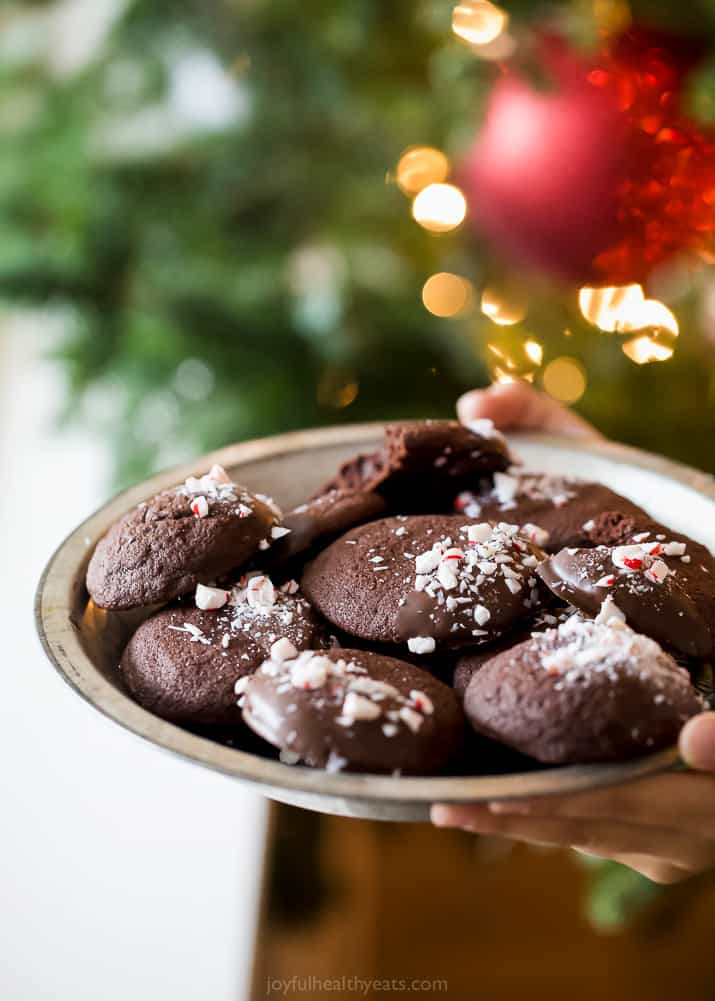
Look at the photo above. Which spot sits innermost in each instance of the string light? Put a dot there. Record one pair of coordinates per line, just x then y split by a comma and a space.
607, 308
534, 351
439, 208
420, 166
512, 357
624, 310
644, 349
445, 294
478, 22
565, 379
503, 307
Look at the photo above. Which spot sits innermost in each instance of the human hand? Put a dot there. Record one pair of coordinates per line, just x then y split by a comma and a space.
662, 826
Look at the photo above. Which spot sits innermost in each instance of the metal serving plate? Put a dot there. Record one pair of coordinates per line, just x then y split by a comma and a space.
84, 643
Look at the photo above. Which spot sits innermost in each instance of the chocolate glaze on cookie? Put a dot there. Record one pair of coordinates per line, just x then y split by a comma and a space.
354, 710
183, 663
559, 506
664, 585
193, 533
584, 692
423, 463
323, 519
432, 581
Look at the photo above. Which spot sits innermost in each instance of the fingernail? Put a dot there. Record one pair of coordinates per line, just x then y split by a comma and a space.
441, 816
469, 404
697, 742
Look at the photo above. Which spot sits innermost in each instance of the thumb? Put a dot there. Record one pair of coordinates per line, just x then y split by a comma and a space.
697, 742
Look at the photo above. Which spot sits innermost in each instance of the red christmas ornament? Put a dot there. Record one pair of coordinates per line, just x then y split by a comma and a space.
603, 178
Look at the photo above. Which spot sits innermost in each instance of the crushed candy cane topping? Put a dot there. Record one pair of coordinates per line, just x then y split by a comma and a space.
580, 648
254, 610
348, 688
456, 574
514, 484
211, 597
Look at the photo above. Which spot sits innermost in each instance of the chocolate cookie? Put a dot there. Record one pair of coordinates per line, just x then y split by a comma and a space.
183, 662
428, 580
553, 510
353, 710
469, 663
584, 692
323, 519
663, 585
165, 546
423, 463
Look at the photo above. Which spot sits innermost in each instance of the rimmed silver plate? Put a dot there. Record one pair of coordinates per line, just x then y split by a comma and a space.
84, 643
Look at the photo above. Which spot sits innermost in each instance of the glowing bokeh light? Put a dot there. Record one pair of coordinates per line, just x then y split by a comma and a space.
565, 379
650, 314
644, 349
607, 308
439, 208
420, 166
478, 22
512, 357
534, 351
503, 307
445, 294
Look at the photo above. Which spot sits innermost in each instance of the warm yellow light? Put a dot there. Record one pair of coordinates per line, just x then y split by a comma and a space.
606, 308
534, 351
445, 294
503, 307
643, 350
420, 166
565, 379
510, 357
650, 314
439, 207
478, 22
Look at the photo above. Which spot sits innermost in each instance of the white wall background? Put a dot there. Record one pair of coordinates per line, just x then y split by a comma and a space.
123, 873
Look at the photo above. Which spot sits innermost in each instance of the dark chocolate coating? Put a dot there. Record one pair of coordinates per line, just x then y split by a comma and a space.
364, 583
192, 681
678, 611
306, 721
422, 464
323, 519
582, 693
561, 506
160, 549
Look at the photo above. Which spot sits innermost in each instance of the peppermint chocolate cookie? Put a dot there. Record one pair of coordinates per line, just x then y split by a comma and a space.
323, 519
555, 511
431, 581
584, 692
184, 662
471, 662
193, 533
353, 710
663, 586
423, 463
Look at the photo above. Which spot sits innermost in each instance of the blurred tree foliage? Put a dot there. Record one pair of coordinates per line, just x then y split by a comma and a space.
208, 198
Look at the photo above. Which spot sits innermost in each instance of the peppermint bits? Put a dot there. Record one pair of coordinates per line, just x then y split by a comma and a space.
200, 507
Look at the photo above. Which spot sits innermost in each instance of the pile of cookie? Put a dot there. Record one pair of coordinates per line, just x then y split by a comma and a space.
432, 607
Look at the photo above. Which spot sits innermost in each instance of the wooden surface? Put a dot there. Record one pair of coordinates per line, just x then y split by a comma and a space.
497, 922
